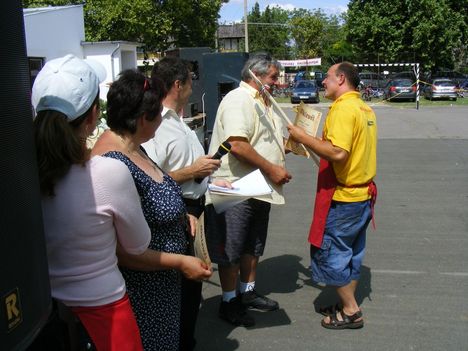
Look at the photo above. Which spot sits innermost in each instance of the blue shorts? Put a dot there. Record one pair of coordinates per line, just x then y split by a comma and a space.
339, 259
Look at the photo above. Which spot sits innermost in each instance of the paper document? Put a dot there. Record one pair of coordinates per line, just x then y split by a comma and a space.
199, 244
308, 119
253, 184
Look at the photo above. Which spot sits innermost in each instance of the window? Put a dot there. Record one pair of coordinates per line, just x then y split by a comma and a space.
35, 65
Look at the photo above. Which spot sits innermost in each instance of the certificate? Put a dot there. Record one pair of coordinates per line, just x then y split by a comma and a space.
308, 119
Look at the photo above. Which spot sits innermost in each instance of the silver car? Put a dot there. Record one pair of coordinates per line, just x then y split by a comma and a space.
440, 89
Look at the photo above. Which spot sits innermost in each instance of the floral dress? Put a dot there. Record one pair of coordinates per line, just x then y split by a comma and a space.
155, 296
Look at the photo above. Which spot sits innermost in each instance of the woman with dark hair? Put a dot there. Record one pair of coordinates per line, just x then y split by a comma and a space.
85, 212
133, 115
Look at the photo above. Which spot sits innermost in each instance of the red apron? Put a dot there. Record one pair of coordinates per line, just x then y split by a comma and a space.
326, 185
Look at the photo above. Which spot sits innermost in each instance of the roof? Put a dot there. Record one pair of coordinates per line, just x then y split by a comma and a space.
39, 10
231, 31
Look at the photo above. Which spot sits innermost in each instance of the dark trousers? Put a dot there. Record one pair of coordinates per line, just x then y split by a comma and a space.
191, 290
191, 298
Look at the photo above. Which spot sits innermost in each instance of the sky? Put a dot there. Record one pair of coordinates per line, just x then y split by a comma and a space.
233, 11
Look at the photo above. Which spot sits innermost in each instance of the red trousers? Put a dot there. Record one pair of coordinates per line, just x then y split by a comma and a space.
112, 327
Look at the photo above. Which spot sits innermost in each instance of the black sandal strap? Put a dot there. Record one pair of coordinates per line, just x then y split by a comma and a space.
334, 319
352, 318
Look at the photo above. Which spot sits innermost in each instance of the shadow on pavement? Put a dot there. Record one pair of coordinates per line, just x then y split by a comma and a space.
280, 274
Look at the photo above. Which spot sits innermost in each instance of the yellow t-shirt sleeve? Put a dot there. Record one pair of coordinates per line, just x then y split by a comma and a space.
340, 127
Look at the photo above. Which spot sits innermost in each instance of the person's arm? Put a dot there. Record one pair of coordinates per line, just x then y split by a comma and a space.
132, 229
243, 151
322, 148
203, 167
151, 260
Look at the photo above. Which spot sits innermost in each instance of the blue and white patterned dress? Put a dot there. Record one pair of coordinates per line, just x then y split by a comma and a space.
155, 296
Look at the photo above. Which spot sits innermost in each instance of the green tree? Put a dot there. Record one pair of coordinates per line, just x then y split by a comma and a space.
428, 31
268, 31
317, 35
157, 23
307, 32
334, 47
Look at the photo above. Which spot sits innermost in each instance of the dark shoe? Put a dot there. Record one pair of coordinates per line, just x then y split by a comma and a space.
346, 322
252, 299
234, 313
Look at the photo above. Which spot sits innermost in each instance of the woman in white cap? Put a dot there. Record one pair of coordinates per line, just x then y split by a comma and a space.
89, 206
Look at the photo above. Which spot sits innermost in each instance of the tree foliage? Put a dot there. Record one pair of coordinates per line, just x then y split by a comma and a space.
299, 33
307, 31
268, 31
432, 32
157, 23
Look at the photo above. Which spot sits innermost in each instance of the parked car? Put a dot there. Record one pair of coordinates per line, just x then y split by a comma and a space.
441, 88
373, 80
305, 90
455, 76
405, 75
400, 89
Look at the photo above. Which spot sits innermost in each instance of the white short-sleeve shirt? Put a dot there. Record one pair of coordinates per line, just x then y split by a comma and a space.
175, 146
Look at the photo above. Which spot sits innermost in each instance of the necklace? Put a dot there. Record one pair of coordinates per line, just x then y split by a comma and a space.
138, 156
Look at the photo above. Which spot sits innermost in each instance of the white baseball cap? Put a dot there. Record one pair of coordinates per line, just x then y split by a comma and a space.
68, 85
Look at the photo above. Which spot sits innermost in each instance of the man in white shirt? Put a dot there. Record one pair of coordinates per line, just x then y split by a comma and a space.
177, 150
236, 238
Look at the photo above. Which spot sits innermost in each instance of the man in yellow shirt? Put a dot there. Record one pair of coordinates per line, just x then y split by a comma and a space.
345, 193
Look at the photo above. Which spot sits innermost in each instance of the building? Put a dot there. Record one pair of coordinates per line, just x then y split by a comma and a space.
53, 32
230, 38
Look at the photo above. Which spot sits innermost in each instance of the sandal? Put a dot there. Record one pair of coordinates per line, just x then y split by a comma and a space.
329, 310
348, 322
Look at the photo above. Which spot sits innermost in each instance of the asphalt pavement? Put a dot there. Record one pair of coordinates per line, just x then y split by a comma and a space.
414, 285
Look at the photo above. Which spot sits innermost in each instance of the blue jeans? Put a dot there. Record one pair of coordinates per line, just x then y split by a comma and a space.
339, 259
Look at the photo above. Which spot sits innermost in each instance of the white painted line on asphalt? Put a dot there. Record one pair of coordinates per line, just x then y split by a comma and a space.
455, 274
390, 271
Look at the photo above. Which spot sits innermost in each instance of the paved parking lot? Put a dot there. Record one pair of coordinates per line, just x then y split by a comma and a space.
415, 277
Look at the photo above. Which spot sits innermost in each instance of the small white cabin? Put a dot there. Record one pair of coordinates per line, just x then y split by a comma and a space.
53, 32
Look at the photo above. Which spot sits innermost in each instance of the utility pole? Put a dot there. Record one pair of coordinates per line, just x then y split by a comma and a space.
246, 27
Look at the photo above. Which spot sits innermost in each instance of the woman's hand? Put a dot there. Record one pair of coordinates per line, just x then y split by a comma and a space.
195, 269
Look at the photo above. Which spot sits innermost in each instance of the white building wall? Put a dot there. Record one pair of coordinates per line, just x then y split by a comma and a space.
54, 32
114, 56
109, 56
